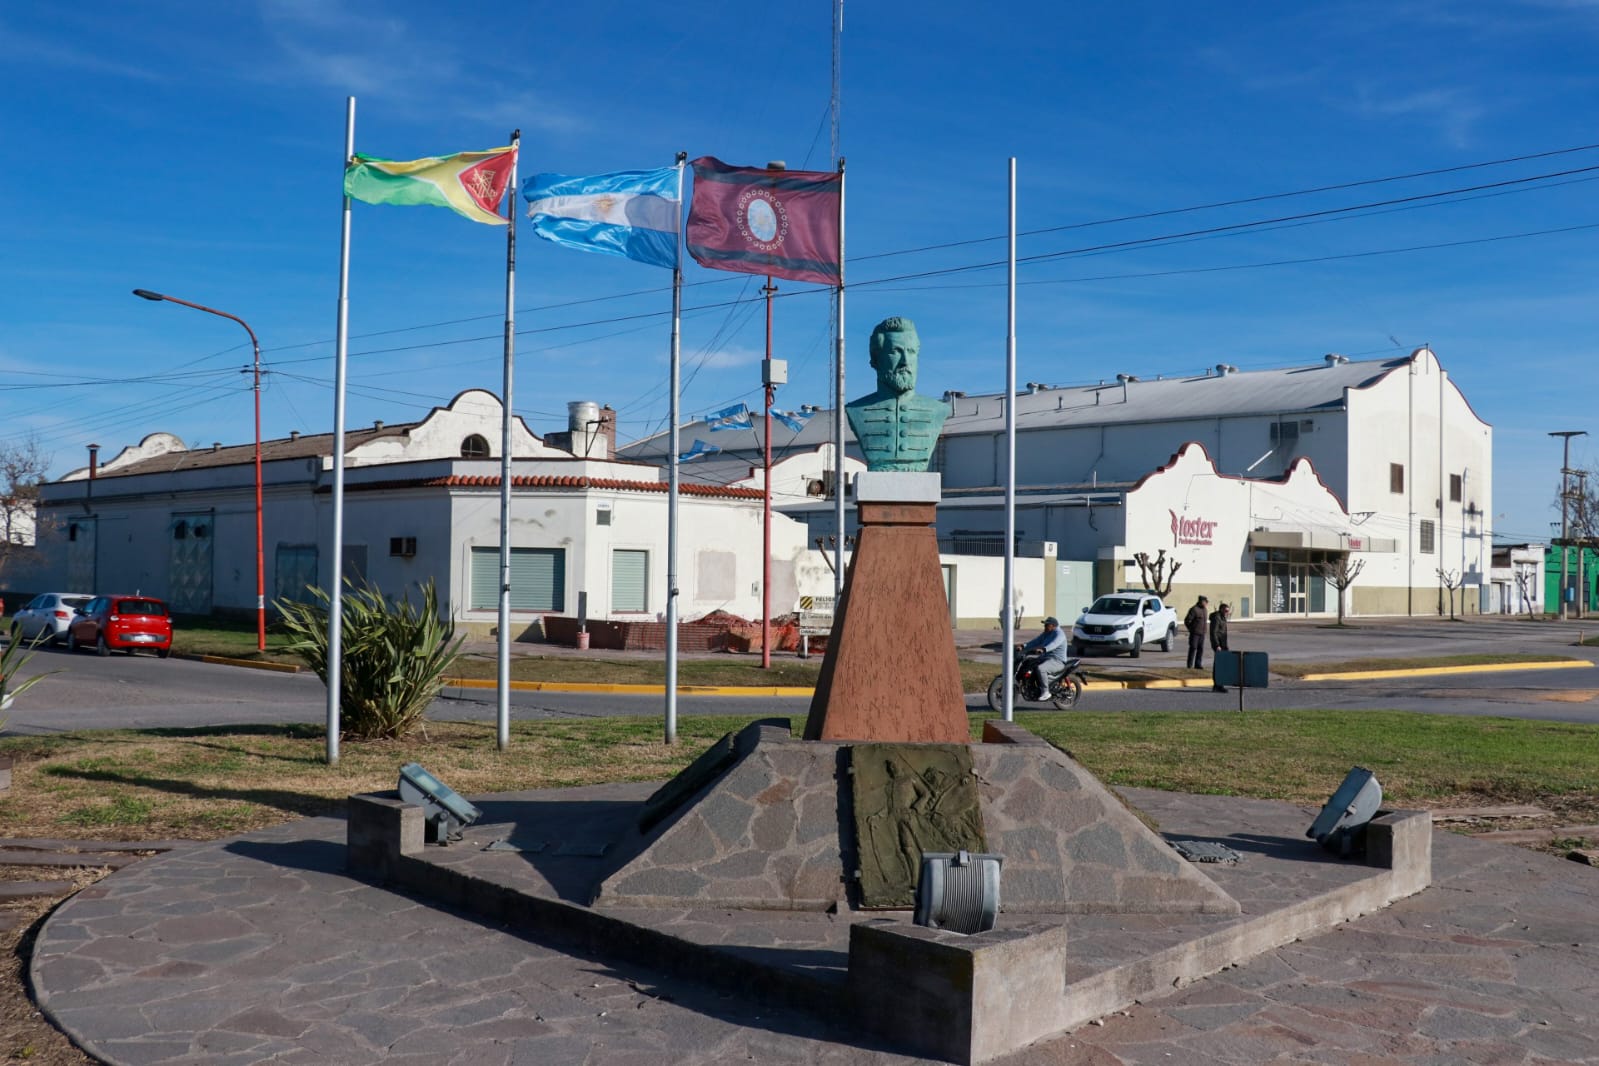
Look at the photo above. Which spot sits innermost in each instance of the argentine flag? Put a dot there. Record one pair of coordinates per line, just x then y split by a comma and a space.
735, 417
632, 213
698, 451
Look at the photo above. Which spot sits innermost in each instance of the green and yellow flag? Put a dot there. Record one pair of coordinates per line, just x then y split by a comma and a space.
469, 183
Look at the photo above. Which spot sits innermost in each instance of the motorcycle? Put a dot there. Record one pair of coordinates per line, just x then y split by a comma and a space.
1064, 692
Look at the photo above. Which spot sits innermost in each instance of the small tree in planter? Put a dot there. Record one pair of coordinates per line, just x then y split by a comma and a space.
394, 656
1340, 575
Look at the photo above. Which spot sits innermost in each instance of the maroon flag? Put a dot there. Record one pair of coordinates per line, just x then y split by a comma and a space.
758, 221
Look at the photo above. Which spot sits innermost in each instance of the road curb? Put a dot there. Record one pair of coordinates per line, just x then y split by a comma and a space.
1439, 671
248, 664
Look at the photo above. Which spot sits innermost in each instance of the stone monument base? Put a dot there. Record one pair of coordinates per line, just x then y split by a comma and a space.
1097, 911
891, 672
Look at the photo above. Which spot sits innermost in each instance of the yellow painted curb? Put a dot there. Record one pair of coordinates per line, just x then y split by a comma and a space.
1437, 671
1156, 682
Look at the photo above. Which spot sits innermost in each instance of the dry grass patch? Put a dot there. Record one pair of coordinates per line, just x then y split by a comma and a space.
154, 784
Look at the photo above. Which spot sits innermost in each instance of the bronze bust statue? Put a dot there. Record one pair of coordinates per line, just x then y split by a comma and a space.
896, 428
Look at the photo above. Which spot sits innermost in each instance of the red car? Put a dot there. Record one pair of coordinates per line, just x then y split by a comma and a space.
127, 623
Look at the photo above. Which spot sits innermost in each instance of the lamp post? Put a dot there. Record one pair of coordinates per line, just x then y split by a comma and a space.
255, 364
1565, 500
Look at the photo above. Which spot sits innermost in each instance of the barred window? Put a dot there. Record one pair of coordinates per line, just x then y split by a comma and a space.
1426, 536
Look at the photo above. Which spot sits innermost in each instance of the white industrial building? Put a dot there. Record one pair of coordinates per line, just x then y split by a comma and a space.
422, 502
1251, 480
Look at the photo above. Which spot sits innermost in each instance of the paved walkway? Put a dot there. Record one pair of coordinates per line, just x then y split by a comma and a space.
260, 949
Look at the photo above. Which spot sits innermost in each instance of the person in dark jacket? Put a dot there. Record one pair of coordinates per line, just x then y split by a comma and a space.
1218, 635
1196, 622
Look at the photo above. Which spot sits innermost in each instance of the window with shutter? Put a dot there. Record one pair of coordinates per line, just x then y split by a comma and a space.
538, 579
630, 572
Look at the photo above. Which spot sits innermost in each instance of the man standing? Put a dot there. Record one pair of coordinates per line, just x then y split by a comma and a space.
1197, 622
1218, 636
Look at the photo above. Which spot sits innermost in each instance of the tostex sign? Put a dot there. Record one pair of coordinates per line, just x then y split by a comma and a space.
1191, 530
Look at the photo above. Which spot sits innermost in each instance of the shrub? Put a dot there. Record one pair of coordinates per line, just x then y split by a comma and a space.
393, 656
14, 658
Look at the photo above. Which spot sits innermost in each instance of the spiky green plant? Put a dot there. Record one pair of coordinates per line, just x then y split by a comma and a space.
393, 656
14, 658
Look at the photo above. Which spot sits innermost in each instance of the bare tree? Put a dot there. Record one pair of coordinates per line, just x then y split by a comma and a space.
1340, 575
22, 468
1451, 580
1158, 573
1524, 587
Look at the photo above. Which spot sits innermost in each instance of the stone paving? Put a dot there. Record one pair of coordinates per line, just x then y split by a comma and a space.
261, 949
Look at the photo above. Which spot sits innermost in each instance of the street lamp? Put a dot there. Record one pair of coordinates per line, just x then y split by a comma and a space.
260, 557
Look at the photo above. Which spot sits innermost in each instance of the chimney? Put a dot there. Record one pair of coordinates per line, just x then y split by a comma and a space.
607, 429
377, 423
294, 434
1333, 359
94, 461
216, 446
1223, 369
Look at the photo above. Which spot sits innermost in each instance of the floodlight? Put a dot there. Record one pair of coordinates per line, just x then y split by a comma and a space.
958, 892
1341, 825
446, 813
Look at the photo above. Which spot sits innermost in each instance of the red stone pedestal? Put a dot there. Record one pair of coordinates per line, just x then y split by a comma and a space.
891, 672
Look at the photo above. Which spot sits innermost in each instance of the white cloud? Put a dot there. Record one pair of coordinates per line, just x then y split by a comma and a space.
376, 54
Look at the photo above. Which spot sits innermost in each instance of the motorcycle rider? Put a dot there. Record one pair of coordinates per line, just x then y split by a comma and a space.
1052, 644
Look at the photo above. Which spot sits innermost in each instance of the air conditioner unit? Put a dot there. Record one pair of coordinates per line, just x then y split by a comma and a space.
403, 547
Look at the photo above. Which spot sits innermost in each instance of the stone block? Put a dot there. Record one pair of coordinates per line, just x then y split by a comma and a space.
381, 829
964, 999
1401, 841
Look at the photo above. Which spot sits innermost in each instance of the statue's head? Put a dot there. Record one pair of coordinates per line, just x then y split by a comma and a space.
894, 346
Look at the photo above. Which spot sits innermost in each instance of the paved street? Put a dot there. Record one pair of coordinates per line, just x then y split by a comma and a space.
144, 692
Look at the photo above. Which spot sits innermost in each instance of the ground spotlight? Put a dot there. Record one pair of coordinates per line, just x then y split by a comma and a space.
446, 813
1341, 825
958, 892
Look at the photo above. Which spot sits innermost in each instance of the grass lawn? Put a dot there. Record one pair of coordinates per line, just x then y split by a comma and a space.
202, 783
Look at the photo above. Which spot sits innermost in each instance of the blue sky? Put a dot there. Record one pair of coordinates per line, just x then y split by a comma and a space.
196, 149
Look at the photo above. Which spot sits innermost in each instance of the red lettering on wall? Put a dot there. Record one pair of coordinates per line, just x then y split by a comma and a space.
1191, 530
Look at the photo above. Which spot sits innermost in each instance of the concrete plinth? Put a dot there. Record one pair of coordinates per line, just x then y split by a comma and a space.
891, 673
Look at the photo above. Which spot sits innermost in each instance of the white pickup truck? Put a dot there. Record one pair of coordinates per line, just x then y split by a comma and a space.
1124, 622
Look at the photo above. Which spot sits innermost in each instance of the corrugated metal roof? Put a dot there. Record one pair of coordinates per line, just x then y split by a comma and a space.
1320, 386
1217, 394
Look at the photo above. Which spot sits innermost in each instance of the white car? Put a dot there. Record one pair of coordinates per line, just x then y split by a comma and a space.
1124, 622
46, 617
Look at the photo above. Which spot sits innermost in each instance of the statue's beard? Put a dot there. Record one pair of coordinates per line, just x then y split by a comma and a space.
899, 381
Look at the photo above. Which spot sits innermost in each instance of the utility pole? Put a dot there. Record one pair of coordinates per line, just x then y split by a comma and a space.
1565, 506
1580, 494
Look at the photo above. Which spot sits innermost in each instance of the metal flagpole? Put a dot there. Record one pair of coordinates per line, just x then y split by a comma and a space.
502, 713
836, 108
671, 476
838, 410
1008, 623
341, 344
